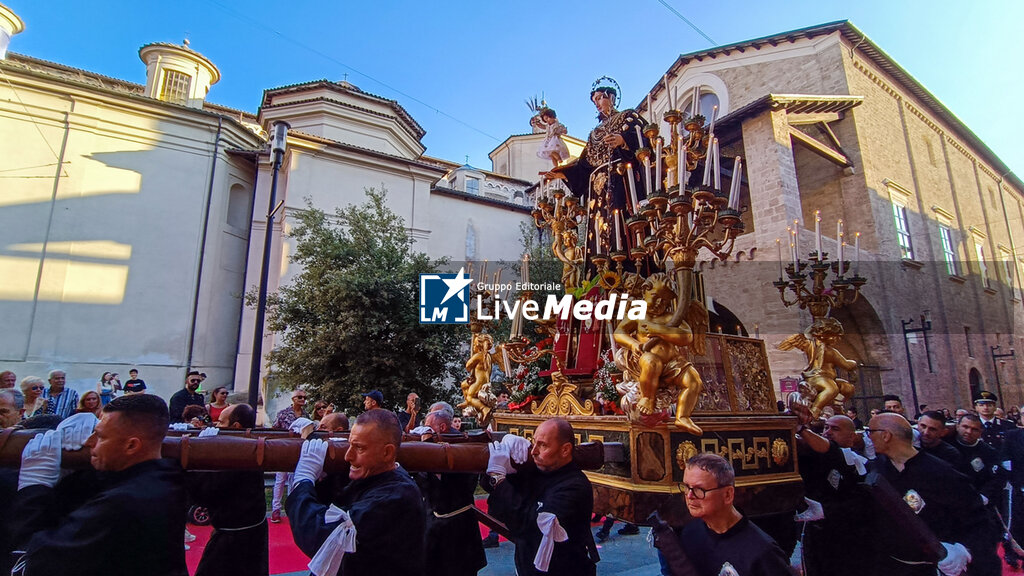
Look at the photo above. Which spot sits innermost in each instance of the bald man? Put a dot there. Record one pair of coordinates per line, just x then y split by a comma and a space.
833, 476
334, 422
237, 505
940, 496
532, 501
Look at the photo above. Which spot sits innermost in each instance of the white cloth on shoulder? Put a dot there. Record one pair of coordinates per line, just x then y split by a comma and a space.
327, 560
551, 532
855, 460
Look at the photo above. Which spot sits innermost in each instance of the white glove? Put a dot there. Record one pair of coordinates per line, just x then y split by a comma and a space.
208, 431
814, 512
40, 461
499, 462
76, 429
956, 560
327, 560
518, 447
551, 532
311, 462
422, 430
302, 426
181, 426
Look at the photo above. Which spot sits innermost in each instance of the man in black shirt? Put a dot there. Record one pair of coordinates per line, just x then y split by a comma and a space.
137, 494
187, 396
135, 385
932, 426
720, 536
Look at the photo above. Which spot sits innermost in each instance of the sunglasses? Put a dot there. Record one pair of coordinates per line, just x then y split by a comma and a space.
299, 397
37, 388
193, 381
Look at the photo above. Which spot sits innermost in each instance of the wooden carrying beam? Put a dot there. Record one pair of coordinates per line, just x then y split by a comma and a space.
281, 454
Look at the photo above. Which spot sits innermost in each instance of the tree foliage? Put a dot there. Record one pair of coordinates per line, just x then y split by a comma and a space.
349, 321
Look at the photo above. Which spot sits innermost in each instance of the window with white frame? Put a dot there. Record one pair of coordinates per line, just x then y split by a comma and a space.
473, 186
900, 198
175, 87
1007, 259
948, 249
979, 251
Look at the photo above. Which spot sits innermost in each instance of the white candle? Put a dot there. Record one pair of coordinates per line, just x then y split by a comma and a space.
717, 169
597, 233
796, 234
856, 254
714, 113
684, 174
647, 176
650, 111
483, 272
639, 138
734, 186
842, 253
796, 260
839, 228
778, 246
632, 187
817, 233
497, 277
618, 232
696, 97
675, 96
707, 164
657, 164
622, 220
668, 93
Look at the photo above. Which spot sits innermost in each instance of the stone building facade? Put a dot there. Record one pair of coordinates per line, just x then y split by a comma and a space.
826, 121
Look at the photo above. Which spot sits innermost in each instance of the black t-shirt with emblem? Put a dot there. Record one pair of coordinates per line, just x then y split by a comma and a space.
135, 385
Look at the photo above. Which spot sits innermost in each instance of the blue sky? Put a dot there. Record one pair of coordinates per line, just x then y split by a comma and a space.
464, 68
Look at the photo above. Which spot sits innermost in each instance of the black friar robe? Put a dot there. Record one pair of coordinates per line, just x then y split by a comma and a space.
566, 493
388, 515
143, 506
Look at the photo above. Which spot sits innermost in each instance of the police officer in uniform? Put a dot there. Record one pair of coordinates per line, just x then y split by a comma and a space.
994, 428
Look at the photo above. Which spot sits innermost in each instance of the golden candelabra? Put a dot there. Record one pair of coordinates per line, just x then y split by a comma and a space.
806, 280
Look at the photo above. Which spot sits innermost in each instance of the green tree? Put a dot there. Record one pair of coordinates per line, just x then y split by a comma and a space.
349, 322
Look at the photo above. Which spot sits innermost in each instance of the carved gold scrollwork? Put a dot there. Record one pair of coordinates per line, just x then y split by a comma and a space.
684, 452
780, 452
561, 400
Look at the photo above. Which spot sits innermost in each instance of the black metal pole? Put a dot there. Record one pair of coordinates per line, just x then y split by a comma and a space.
261, 305
910, 365
995, 366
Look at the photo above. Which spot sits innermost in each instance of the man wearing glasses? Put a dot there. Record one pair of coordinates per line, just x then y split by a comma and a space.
185, 397
941, 497
720, 537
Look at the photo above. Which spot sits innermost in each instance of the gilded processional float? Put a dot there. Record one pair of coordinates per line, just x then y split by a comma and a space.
647, 378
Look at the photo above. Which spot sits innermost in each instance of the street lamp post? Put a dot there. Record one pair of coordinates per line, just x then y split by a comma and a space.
926, 326
278, 145
995, 366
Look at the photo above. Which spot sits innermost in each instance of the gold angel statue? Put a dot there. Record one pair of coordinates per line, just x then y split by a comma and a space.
567, 249
656, 357
818, 343
478, 399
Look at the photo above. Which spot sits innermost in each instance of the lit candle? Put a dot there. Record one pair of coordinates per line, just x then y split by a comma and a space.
618, 232
657, 164
717, 169
526, 268
778, 246
842, 253
734, 187
647, 176
856, 254
839, 228
817, 234
632, 187
796, 234
796, 261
